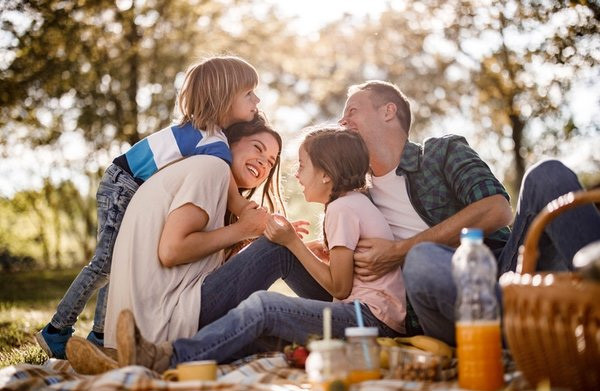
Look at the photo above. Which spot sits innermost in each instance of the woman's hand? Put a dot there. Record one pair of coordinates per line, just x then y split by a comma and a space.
280, 231
253, 220
299, 227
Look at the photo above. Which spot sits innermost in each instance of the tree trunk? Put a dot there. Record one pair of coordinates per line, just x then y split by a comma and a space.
517, 136
134, 61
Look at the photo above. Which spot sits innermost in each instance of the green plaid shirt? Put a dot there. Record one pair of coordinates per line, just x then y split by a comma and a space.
444, 175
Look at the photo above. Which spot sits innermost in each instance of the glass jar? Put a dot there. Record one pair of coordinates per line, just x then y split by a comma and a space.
362, 353
326, 365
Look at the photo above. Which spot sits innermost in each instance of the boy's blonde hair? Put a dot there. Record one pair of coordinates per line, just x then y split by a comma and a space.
209, 87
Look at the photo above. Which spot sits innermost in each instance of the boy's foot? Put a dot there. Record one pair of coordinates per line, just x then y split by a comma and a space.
133, 349
54, 343
88, 359
93, 338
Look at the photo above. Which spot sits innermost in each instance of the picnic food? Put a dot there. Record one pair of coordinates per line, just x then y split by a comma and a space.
428, 344
414, 364
296, 355
417, 343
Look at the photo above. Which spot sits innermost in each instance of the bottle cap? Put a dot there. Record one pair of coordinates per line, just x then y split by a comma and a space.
325, 344
362, 332
471, 234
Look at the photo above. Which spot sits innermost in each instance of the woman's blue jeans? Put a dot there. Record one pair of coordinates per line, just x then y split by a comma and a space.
239, 317
428, 272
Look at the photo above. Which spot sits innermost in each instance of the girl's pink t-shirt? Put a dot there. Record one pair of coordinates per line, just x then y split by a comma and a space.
348, 219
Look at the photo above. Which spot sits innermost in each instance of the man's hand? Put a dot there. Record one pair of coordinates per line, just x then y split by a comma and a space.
378, 257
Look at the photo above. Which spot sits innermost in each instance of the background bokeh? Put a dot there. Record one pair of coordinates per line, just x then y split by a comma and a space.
81, 81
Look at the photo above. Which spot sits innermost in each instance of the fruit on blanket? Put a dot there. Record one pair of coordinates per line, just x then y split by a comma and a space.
386, 341
428, 344
299, 356
384, 356
296, 355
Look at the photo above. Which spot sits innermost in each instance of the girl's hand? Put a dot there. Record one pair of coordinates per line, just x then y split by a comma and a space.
280, 231
299, 227
253, 220
318, 248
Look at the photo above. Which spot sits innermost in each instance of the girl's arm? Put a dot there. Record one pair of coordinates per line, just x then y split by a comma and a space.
183, 241
336, 278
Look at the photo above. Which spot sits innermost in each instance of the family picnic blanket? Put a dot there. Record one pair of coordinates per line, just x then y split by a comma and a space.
264, 372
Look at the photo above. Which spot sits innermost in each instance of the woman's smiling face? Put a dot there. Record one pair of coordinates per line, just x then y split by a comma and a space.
253, 159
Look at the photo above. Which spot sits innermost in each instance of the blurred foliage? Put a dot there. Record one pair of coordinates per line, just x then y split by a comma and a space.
109, 71
54, 227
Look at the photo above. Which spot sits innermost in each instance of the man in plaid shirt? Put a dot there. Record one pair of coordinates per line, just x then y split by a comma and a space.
429, 192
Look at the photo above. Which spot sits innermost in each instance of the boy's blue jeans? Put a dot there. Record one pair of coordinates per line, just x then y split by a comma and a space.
238, 317
428, 267
115, 190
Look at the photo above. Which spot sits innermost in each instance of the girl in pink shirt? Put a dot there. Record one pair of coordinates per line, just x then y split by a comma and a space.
333, 165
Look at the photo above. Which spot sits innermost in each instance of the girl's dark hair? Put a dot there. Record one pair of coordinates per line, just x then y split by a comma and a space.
342, 155
271, 193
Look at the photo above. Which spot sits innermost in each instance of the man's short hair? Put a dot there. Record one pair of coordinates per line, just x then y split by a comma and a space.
384, 92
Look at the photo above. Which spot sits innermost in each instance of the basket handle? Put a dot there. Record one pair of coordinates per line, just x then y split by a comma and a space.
551, 211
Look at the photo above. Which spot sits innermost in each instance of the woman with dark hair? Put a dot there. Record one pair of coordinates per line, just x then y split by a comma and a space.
174, 235
332, 171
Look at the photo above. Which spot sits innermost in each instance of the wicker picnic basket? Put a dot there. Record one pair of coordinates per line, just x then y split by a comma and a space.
552, 320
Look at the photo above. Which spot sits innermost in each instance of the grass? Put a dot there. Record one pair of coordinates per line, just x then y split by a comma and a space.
27, 302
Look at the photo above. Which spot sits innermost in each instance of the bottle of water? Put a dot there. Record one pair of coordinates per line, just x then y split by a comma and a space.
478, 340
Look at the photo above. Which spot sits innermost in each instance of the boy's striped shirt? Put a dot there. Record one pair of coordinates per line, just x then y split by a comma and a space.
169, 145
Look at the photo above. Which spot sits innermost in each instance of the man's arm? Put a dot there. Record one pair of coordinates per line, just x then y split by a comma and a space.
381, 256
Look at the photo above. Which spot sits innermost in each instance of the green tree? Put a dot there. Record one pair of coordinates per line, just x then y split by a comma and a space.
505, 69
109, 69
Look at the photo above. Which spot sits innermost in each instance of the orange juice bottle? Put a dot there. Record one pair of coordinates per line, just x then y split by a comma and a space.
478, 339
479, 354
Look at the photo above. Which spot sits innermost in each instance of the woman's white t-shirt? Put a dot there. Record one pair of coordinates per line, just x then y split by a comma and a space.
165, 301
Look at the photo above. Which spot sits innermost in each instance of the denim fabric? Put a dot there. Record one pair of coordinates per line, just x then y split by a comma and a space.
428, 269
114, 193
253, 269
268, 314
238, 317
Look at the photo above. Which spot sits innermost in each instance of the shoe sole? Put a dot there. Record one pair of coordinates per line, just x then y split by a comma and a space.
87, 359
39, 338
126, 351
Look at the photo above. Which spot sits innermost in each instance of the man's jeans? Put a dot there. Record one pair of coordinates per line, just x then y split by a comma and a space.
239, 317
115, 190
428, 269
